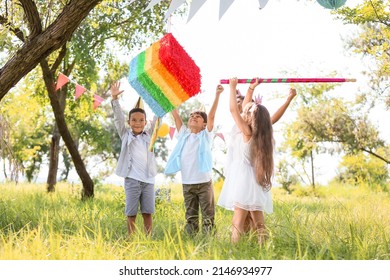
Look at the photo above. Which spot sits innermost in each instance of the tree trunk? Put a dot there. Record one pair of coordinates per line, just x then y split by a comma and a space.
53, 160
37, 48
88, 187
312, 169
55, 143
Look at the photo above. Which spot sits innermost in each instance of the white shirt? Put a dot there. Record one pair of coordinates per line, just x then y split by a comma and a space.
189, 162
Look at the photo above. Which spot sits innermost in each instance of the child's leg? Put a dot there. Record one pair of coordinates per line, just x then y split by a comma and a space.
147, 201
259, 224
238, 222
248, 224
131, 224
132, 193
191, 202
207, 205
148, 222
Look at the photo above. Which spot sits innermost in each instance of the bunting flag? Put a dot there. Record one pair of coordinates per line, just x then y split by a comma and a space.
194, 8
61, 81
220, 135
195, 5
224, 6
79, 91
97, 100
171, 131
262, 3
152, 3
175, 4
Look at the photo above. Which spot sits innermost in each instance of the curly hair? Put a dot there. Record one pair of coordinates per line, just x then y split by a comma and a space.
262, 143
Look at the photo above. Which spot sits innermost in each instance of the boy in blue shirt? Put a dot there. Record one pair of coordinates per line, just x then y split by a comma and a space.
192, 156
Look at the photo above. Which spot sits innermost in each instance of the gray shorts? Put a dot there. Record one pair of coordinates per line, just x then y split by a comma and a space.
139, 194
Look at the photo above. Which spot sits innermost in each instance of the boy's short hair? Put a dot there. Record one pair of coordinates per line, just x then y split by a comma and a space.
202, 114
137, 110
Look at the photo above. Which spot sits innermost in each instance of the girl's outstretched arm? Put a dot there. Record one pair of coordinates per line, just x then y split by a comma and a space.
241, 124
279, 113
249, 94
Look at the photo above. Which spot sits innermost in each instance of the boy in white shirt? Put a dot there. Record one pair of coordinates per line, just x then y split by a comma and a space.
136, 163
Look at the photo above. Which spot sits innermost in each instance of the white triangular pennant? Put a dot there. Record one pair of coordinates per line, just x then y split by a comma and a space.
262, 3
151, 5
173, 6
195, 6
224, 6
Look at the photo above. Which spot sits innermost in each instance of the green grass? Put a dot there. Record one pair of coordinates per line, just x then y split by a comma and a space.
334, 222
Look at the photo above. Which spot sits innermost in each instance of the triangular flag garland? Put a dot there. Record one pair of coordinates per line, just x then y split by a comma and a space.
97, 100
61, 81
171, 132
79, 90
220, 135
194, 6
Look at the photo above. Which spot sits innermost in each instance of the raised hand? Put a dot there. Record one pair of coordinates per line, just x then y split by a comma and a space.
220, 89
115, 92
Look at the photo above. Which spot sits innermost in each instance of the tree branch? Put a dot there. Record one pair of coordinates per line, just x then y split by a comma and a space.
32, 15
39, 47
18, 33
375, 155
59, 59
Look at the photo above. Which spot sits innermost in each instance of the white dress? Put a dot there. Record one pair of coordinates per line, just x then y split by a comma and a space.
240, 188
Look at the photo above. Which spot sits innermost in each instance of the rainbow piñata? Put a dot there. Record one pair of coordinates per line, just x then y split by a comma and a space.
164, 75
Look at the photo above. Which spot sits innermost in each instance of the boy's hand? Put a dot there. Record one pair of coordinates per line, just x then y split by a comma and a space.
219, 90
115, 92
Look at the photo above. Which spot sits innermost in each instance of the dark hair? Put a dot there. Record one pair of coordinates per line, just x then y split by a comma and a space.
262, 145
202, 114
137, 110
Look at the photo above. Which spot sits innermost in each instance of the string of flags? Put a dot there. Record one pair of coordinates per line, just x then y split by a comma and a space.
79, 90
224, 5
62, 80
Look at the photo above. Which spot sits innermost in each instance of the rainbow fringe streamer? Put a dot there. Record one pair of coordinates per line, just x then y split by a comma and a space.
164, 75
154, 134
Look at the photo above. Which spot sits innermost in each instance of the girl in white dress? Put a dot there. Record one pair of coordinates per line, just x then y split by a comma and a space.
247, 186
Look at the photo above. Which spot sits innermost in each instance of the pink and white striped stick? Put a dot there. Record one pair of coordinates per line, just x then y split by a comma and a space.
292, 80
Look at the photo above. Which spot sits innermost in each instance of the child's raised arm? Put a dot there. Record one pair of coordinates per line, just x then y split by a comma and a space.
177, 119
279, 113
115, 92
213, 109
241, 124
249, 94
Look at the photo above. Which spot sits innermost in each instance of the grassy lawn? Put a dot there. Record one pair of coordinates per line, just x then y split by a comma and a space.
332, 223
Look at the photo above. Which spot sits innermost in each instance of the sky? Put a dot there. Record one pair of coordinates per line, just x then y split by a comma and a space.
287, 36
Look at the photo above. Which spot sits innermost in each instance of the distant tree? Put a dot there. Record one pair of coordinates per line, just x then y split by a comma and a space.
362, 169
373, 16
330, 124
